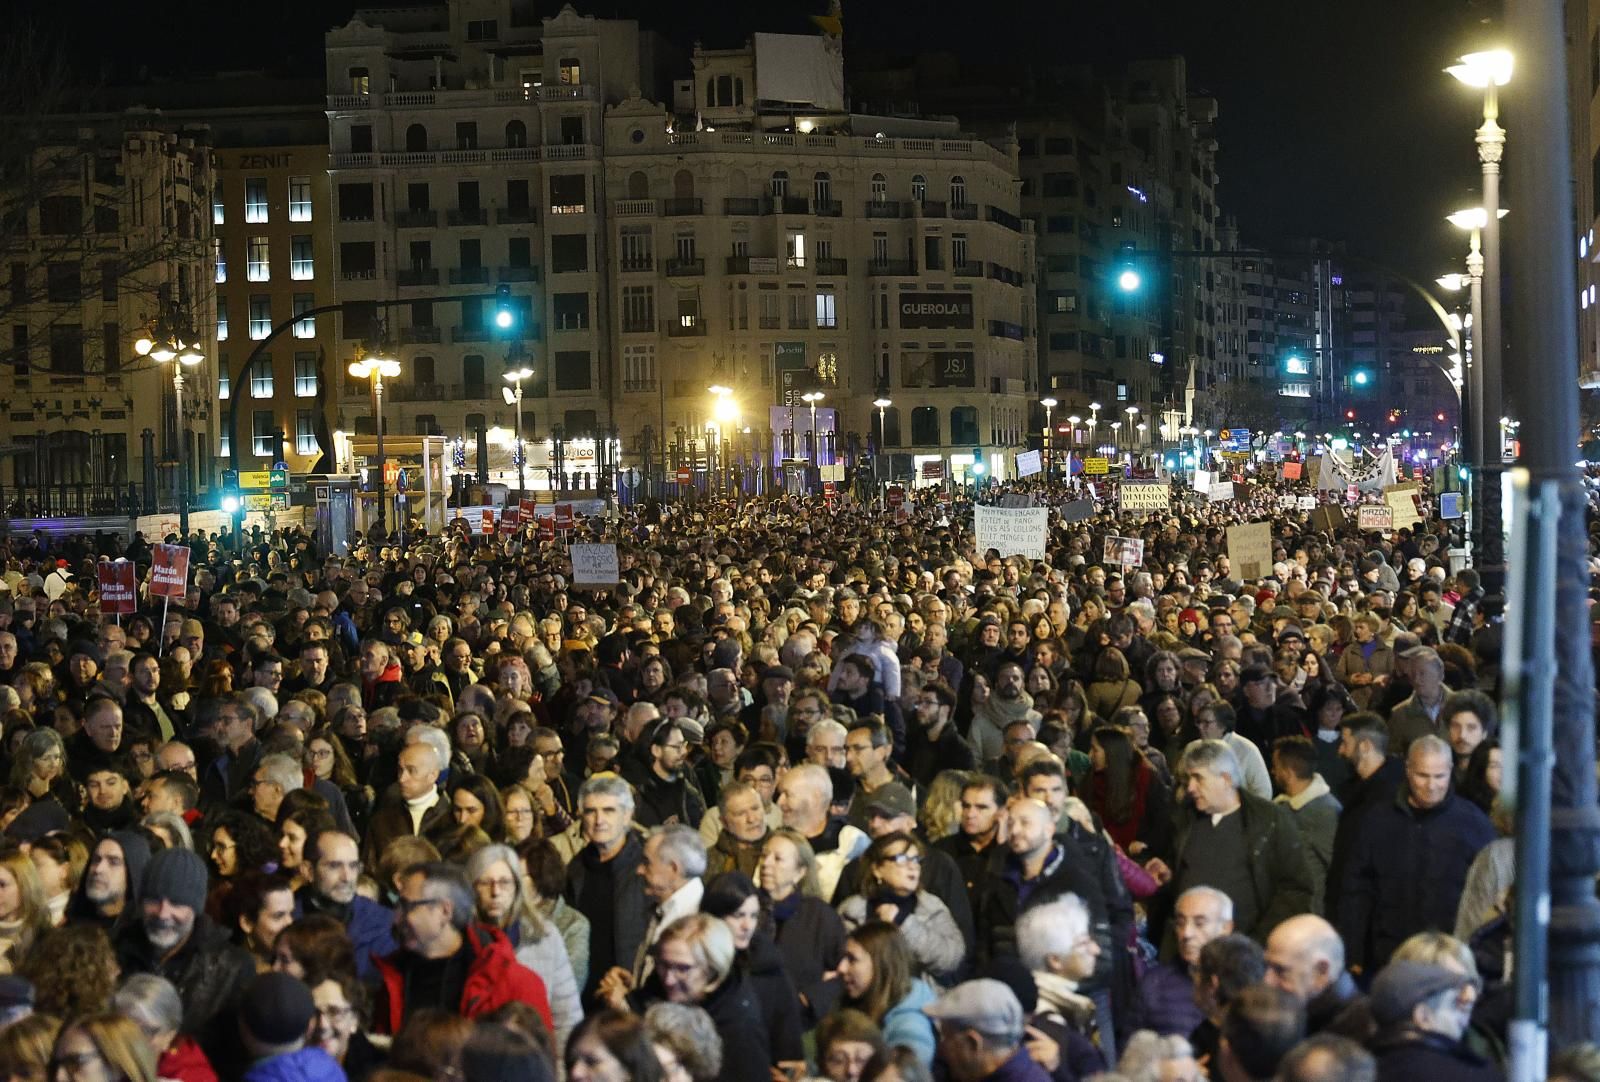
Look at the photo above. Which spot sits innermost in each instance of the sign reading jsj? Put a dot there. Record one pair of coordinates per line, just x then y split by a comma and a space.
934, 311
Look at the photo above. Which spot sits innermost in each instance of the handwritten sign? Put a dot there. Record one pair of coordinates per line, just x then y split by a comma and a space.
1221, 493
1404, 500
488, 520
1124, 551
1372, 517
1012, 531
170, 571
1028, 464
1250, 550
1308, 503
117, 591
595, 565
1097, 466
1133, 497
1287, 502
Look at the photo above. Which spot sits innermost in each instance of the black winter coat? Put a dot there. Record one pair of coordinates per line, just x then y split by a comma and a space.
210, 973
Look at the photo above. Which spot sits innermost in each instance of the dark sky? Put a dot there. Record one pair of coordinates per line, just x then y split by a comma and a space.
1336, 118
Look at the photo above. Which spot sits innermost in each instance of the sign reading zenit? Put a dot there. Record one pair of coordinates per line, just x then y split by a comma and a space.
936, 311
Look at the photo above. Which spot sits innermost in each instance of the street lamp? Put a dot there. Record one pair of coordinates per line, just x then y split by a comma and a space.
1094, 420
724, 412
1488, 71
1132, 412
811, 398
1116, 436
513, 396
373, 367
1048, 404
169, 346
883, 405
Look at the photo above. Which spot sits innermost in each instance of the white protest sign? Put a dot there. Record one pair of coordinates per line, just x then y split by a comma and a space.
1287, 502
1308, 503
1403, 500
594, 565
1028, 464
1202, 480
1371, 516
1250, 550
1012, 531
1221, 493
1149, 497
1124, 551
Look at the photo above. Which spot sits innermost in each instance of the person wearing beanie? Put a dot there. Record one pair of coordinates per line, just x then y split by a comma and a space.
274, 1019
173, 938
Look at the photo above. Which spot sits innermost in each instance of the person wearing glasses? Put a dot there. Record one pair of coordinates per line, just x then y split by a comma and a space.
668, 795
890, 891
103, 1048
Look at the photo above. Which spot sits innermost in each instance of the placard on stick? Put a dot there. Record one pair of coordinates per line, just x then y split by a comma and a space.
1250, 550
595, 565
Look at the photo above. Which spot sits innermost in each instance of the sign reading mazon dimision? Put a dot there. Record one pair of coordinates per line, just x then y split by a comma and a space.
935, 311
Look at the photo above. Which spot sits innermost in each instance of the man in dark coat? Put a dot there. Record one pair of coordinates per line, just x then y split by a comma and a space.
1305, 957
1364, 744
1409, 862
603, 878
1422, 1010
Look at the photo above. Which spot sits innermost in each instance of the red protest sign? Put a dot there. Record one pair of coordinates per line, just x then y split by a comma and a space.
510, 518
488, 520
117, 594
685, 475
527, 507
170, 577
547, 529
1291, 471
563, 516
897, 496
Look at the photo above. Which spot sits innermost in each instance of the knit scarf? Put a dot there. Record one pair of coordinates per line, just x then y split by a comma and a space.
1002, 712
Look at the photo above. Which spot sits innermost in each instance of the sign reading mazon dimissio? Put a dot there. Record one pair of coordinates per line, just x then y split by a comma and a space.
935, 311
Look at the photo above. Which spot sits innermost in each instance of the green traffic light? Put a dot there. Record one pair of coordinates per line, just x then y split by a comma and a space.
1129, 281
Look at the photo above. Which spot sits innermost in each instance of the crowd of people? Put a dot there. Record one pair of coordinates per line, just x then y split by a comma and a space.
816, 790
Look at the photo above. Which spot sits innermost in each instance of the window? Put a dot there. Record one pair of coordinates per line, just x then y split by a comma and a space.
919, 191
571, 311
880, 247
799, 318
637, 249
958, 249
964, 425
64, 283
483, 29
638, 308
304, 326
519, 252
795, 248
416, 139
355, 203
260, 316
567, 194
225, 444
305, 433
301, 259
780, 184
299, 199
305, 375
472, 375
360, 81
683, 244
19, 349
925, 425
571, 131
261, 378
257, 265
361, 138
827, 317
222, 321
220, 258
263, 435
60, 215
569, 73
569, 252
255, 199
218, 213
466, 135
880, 188
516, 134
572, 370
417, 197
822, 189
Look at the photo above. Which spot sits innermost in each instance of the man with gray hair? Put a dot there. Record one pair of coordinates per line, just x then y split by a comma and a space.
981, 1025
670, 876
276, 776
1409, 860
1246, 847
603, 878
1164, 997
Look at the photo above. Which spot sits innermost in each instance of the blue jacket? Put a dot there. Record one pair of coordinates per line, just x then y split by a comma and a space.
369, 925
306, 1065
1163, 1000
905, 1024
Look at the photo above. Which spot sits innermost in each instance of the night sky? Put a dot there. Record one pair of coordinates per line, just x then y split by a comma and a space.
1336, 118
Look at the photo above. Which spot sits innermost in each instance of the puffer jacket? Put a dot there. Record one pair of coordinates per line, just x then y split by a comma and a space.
494, 978
183, 1061
305, 1065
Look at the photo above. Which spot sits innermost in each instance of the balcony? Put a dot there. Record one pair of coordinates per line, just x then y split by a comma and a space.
885, 208
999, 328
967, 270
421, 392
880, 268
636, 386
517, 274
467, 216
469, 334
416, 219
673, 208
351, 160
417, 276
967, 212
638, 326
744, 207
363, 274
827, 268
694, 329
634, 208
826, 208
1009, 220
410, 336
469, 276
932, 208
515, 216
752, 264
685, 268
636, 265
769, 323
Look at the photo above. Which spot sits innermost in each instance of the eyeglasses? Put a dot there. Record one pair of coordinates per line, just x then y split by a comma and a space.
333, 1015
904, 858
406, 905
497, 886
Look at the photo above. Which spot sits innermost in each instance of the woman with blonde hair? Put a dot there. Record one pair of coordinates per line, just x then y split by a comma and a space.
25, 1047
941, 811
24, 910
40, 767
109, 1042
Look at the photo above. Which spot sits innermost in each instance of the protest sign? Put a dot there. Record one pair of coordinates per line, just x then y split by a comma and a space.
1287, 502
1016, 499
1292, 471
1077, 511
1449, 505
594, 565
1250, 550
563, 516
510, 518
1203, 480
488, 520
1328, 519
1028, 464
170, 571
117, 591
1143, 497
1308, 503
1124, 551
1220, 493
1404, 500
1097, 466
1012, 531
1373, 517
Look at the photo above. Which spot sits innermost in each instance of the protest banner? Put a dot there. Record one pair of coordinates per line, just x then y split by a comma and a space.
488, 520
1314, 470
1405, 500
1077, 511
1143, 497
1307, 503
1124, 551
564, 516
1373, 517
1292, 471
595, 565
1221, 493
1028, 464
169, 571
1097, 466
529, 509
1287, 502
895, 497
118, 594
510, 518
1250, 550
1011, 531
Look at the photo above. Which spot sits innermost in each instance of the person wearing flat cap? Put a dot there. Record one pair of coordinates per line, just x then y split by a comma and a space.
274, 1018
173, 938
981, 1028
1422, 1011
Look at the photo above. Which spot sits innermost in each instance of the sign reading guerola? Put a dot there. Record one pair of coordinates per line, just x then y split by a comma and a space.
936, 310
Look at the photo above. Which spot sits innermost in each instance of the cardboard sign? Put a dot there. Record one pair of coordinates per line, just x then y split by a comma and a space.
1292, 471
1328, 519
1012, 531
1124, 551
1250, 550
595, 565
1449, 505
1028, 464
1308, 503
170, 571
1220, 493
1372, 517
1077, 511
1406, 502
1314, 470
488, 520
1135, 497
564, 516
1097, 466
117, 590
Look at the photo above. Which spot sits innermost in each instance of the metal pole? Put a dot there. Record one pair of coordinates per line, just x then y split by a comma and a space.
522, 452
377, 413
1491, 560
1475, 454
1550, 694
183, 451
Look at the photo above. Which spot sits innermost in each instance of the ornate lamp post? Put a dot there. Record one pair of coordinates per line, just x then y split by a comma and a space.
373, 367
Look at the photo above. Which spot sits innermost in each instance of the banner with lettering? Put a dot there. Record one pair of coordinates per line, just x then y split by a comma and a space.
1012, 531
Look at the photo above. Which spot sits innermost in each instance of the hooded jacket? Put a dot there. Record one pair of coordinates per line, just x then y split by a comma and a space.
183, 1061
135, 855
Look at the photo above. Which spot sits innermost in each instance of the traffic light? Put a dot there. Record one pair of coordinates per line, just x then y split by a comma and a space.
1361, 377
1129, 280
977, 461
230, 491
505, 315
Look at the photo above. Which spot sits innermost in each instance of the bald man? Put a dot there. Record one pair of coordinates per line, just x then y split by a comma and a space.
1305, 957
